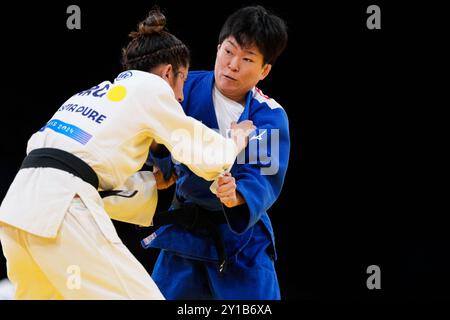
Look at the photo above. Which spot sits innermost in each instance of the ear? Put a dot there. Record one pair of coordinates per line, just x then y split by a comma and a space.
166, 71
265, 71
218, 46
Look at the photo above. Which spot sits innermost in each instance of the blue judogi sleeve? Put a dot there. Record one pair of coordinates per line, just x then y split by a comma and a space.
261, 178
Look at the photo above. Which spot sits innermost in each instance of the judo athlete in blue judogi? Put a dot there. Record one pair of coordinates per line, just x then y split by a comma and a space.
226, 249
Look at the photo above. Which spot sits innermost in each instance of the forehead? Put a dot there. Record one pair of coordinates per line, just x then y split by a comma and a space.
250, 48
183, 70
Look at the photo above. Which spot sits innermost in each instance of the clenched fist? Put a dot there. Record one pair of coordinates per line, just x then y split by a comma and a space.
227, 193
160, 182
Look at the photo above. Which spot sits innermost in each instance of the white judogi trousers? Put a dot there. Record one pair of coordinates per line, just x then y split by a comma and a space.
80, 263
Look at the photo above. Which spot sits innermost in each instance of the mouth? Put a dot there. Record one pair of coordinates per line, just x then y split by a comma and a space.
229, 78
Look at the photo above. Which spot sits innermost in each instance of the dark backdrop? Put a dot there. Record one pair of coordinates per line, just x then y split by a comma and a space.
359, 188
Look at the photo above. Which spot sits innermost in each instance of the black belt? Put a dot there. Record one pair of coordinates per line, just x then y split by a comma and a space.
63, 160
192, 217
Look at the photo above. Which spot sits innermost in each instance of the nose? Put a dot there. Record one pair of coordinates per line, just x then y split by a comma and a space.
234, 64
180, 97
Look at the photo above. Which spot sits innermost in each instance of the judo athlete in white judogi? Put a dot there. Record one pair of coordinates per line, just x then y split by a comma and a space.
55, 229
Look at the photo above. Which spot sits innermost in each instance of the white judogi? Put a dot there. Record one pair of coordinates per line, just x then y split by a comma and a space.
111, 126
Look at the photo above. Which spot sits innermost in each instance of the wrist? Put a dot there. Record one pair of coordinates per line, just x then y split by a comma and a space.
238, 200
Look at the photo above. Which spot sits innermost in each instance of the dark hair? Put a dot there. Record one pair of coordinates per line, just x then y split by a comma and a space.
152, 44
254, 25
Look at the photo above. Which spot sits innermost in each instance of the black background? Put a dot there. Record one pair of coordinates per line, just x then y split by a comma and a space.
363, 184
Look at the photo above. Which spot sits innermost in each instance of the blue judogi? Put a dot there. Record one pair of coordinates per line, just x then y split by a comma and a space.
187, 265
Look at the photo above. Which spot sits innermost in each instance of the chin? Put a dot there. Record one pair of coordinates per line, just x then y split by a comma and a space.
226, 89
228, 84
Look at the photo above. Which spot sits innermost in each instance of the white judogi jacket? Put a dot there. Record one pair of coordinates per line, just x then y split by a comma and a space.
111, 127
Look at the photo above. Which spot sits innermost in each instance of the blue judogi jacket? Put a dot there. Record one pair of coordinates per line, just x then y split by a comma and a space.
259, 180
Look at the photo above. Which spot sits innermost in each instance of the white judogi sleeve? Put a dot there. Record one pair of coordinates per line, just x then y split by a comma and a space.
204, 151
111, 127
138, 209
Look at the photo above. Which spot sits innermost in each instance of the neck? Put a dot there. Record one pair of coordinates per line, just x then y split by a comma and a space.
238, 98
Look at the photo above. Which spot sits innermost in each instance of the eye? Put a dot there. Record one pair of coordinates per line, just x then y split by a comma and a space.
248, 60
228, 51
181, 76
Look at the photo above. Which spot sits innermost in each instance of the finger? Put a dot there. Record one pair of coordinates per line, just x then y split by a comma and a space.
172, 180
226, 194
227, 187
224, 180
230, 184
157, 174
